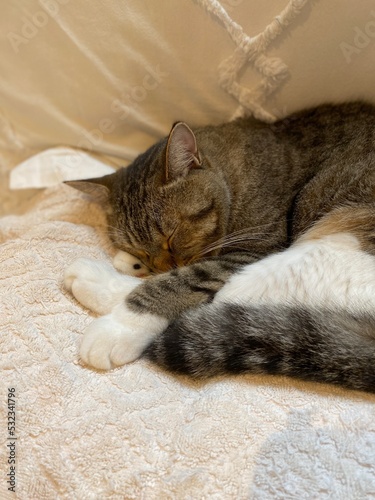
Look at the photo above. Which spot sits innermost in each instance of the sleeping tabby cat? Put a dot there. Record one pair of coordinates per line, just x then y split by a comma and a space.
260, 239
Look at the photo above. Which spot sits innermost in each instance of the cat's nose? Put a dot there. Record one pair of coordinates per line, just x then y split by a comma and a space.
165, 261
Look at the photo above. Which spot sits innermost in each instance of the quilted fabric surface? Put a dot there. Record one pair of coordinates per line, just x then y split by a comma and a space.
138, 432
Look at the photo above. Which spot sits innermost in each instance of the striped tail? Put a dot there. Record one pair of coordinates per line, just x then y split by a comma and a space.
336, 347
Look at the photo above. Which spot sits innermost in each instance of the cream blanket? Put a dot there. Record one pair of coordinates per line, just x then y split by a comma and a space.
112, 78
138, 432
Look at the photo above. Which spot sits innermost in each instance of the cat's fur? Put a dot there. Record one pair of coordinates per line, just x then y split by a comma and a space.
204, 208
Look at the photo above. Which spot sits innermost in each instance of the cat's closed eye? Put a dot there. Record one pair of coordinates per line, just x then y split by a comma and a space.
203, 212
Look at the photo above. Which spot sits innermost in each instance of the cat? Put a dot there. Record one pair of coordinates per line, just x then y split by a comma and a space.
258, 241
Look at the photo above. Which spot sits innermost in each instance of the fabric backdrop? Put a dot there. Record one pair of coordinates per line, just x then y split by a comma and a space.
112, 77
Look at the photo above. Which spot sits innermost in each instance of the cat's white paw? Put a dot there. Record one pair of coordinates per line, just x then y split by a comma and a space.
97, 285
119, 338
130, 265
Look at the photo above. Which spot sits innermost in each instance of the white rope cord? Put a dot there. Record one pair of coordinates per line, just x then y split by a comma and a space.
251, 50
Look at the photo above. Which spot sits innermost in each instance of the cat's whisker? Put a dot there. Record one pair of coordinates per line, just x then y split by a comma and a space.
226, 244
112, 230
230, 239
247, 231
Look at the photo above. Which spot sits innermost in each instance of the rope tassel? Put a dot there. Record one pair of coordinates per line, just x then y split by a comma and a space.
251, 50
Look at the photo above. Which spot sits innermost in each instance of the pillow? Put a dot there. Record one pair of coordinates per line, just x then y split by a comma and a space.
113, 78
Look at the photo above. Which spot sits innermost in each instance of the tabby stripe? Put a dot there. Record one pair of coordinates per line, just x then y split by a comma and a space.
175, 355
201, 274
157, 223
138, 303
203, 289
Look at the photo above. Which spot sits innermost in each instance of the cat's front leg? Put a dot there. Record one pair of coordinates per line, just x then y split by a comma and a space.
119, 337
183, 288
148, 307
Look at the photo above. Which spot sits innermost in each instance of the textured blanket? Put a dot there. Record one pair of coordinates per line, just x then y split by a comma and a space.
138, 432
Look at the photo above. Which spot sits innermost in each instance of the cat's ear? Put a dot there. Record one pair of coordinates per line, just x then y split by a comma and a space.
97, 188
182, 153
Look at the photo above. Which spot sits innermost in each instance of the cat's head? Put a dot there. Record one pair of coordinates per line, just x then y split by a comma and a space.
168, 207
